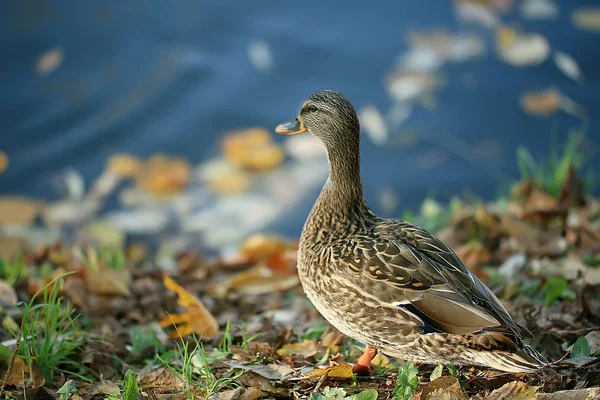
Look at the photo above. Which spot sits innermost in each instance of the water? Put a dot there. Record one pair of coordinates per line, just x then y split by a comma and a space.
141, 77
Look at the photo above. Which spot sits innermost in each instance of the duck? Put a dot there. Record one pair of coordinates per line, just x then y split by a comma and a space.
388, 283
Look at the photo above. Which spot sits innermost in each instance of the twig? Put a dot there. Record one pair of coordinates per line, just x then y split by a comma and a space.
321, 381
11, 361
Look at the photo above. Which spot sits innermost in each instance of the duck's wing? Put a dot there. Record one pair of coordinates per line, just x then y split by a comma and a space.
412, 269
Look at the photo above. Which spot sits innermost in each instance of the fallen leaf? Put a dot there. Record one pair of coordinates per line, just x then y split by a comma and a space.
250, 379
125, 165
340, 371
444, 387
18, 210
260, 55
162, 380
8, 296
253, 149
28, 376
587, 19
567, 65
539, 9
3, 162
104, 387
197, 318
258, 280
259, 247
521, 50
105, 280
514, 390
270, 371
307, 348
577, 394
332, 340
50, 60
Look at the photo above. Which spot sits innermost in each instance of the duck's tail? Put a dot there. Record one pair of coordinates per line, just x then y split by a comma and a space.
527, 359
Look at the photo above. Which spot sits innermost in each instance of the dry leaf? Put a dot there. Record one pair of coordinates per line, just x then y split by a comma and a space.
104, 280
542, 103
8, 296
340, 371
270, 371
587, 19
577, 394
307, 348
514, 390
444, 387
50, 60
567, 65
260, 247
253, 149
521, 50
124, 165
332, 340
22, 374
259, 280
161, 381
18, 210
3, 162
197, 318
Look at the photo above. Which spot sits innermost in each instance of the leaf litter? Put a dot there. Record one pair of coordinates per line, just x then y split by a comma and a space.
167, 299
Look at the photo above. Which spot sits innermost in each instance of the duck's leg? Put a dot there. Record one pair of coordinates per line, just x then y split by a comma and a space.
363, 365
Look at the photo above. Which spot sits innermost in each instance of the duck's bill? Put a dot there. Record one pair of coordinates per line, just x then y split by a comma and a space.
291, 128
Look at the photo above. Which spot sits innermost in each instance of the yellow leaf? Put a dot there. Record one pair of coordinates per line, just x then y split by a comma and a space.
3, 162
340, 371
124, 165
514, 390
197, 318
331, 340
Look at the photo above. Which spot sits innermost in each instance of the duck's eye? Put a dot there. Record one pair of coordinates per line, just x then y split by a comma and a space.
313, 108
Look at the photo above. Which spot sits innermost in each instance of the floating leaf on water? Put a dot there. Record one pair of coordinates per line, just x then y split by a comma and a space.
75, 184
542, 103
223, 178
567, 65
520, 49
50, 60
3, 162
124, 165
587, 19
409, 85
260, 55
374, 124
539, 9
465, 47
476, 12
196, 320
165, 176
304, 147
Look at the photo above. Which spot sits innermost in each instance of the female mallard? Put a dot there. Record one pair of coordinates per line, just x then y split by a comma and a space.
385, 282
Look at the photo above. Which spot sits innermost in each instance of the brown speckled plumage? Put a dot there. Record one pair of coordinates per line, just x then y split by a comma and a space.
385, 282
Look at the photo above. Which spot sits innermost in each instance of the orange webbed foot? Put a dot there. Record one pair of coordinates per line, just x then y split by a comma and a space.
363, 365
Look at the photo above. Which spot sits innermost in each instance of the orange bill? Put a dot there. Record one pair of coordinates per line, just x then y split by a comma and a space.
291, 128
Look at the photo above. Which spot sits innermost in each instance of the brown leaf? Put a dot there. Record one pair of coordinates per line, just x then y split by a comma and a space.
104, 280
332, 340
8, 296
18, 210
473, 255
253, 149
104, 387
307, 348
340, 371
515, 390
259, 247
259, 280
444, 387
270, 371
197, 318
161, 381
578, 394
28, 376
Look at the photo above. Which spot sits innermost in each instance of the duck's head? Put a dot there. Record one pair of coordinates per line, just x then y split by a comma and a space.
329, 116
